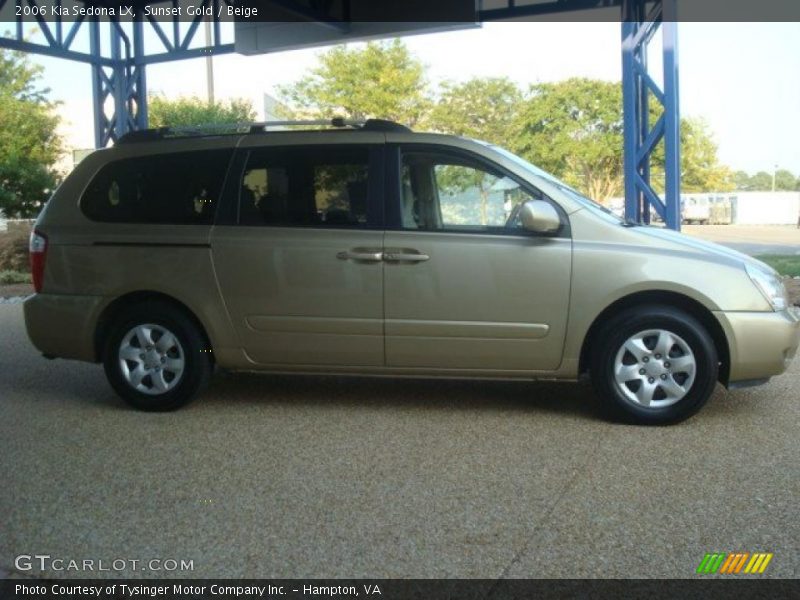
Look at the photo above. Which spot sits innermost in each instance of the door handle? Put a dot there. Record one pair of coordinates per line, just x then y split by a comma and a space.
405, 257
359, 254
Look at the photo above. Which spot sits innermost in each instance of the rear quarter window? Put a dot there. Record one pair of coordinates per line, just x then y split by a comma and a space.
180, 189
318, 186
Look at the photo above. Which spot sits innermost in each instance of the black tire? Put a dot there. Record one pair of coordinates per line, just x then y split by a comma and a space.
628, 323
194, 351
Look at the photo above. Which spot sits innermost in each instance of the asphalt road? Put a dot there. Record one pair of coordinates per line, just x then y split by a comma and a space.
750, 239
328, 477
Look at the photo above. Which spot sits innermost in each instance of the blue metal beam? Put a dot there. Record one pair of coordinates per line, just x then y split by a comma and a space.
638, 89
163, 57
672, 128
21, 45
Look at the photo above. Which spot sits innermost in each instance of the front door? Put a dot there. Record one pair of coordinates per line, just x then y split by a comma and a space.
466, 287
300, 267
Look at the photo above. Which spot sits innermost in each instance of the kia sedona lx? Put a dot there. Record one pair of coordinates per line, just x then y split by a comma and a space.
369, 249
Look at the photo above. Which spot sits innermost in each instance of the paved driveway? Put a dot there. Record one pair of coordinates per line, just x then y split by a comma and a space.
750, 239
328, 477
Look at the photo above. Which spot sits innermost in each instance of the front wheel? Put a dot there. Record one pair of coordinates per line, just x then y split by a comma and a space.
654, 365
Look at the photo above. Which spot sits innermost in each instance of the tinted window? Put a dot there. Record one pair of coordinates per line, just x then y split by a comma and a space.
182, 188
444, 192
318, 186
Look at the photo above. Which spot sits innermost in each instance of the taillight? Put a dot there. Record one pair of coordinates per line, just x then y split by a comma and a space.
38, 254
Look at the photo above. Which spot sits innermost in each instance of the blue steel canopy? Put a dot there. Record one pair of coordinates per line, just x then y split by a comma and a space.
119, 69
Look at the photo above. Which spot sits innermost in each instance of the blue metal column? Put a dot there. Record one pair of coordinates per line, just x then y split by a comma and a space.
672, 135
638, 87
98, 87
630, 94
121, 80
118, 87
140, 74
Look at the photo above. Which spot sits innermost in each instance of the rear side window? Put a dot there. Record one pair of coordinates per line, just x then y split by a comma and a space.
319, 186
180, 189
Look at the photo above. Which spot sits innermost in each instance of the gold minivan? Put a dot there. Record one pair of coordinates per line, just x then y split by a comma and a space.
373, 250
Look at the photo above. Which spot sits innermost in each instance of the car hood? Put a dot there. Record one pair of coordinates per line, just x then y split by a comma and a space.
680, 241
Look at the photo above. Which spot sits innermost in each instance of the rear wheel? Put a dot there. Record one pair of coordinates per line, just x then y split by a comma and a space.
156, 358
653, 365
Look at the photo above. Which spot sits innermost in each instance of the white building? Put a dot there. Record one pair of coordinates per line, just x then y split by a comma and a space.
740, 208
765, 208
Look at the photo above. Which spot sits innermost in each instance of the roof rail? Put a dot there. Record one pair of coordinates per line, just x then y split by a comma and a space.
334, 122
160, 133
338, 122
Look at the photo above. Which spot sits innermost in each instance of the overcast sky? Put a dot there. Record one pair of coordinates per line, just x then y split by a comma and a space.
743, 78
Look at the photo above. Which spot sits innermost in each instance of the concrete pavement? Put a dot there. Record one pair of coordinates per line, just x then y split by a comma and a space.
750, 239
268, 476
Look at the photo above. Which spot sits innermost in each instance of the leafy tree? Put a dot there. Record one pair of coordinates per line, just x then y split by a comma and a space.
701, 170
761, 181
29, 144
785, 180
741, 180
380, 80
574, 129
481, 108
189, 111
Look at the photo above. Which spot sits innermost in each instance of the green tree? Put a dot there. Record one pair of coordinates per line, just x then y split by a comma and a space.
481, 108
741, 181
701, 170
785, 180
761, 182
380, 80
574, 129
191, 111
29, 144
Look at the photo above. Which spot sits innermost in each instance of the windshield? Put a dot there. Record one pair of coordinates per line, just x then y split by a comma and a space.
534, 170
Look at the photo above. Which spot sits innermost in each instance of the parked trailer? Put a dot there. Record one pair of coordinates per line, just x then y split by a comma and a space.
741, 208
707, 209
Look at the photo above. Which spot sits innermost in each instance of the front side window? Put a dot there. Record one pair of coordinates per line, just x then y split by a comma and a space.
177, 189
321, 186
442, 192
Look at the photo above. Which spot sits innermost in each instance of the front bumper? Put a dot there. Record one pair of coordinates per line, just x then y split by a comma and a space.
63, 326
761, 344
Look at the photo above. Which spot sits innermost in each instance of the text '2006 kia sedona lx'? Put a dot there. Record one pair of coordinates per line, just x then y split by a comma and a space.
374, 250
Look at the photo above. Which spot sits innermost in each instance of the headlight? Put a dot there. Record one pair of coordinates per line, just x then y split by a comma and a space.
770, 284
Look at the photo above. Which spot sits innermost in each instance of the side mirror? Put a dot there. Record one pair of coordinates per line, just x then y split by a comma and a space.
539, 216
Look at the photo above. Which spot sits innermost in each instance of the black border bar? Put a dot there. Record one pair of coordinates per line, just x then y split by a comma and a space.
740, 587
339, 13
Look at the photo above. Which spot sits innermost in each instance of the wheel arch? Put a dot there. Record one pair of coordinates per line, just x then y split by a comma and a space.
672, 299
111, 312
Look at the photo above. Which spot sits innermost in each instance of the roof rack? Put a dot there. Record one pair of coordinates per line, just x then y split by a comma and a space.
339, 122
161, 133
